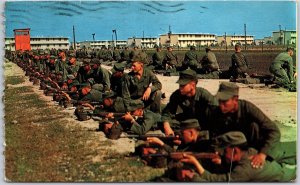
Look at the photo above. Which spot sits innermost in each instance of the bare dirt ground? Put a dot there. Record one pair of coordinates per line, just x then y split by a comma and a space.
278, 104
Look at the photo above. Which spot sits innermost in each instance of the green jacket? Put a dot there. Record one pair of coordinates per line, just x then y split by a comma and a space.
181, 107
134, 88
284, 60
93, 95
143, 125
244, 172
102, 76
239, 62
246, 119
158, 57
209, 62
171, 59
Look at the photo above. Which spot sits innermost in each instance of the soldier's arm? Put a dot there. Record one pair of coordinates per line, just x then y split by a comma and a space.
106, 80
156, 84
125, 91
267, 127
290, 69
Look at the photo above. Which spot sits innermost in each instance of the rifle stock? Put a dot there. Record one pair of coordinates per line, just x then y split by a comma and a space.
180, 155
160, 136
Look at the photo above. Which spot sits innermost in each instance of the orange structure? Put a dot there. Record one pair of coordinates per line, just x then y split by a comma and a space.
22, 39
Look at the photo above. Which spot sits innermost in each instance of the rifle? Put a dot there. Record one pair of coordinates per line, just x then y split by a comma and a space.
180, 155
80, 102
204, 135
144, 137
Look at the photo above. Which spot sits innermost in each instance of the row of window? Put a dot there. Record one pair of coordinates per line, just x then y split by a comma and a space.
48, 39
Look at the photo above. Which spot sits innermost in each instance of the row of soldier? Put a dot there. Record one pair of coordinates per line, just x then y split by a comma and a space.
190, 111
165, 61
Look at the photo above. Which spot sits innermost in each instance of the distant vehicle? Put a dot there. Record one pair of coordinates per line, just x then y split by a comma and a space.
22, 39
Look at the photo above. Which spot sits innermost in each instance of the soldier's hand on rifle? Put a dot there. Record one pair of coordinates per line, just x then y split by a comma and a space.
155, 140
67, 96
168, 130
147, 94
88, 105
295, 75
216, 160
110, 115
128, 117
258, 160
190, 159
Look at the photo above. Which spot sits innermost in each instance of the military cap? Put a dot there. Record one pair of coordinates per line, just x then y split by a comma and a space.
98, 87
135, 104
229, 139
72, 55
189, 123
118, 67
227, 90
139, 58
237, 45
52, 56
109, 94
74, 83
192, 48
41, 52
71, 77
187, 76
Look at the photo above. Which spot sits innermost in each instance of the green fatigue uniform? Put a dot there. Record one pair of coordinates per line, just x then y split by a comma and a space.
108, 55
83, 75
260, 131
125, 55
102, 76
94, 96
243, 171
157, 59
171, 59
142, 125
117, 55
134, 88
117, 80
239, 65
190, 60
133, 53
210, 66
101, 54
61, 66
282, 68
181, 107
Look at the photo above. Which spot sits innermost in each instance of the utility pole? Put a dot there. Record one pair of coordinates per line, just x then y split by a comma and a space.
112, 40
115, 31
169, 34
225, 43
245, 36
74, 38
143, 39
280, 39
284, 36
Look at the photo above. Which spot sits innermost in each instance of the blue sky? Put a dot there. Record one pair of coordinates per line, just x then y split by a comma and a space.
133, 18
